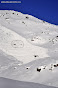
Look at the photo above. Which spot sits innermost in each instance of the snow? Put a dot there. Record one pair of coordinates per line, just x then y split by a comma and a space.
37, 40
27, 43
7, 83
17, 46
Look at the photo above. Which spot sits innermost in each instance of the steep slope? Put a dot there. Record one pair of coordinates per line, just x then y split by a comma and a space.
17, 46
7, 83
33, 44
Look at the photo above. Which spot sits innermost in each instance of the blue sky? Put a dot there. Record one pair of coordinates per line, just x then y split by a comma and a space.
43, 9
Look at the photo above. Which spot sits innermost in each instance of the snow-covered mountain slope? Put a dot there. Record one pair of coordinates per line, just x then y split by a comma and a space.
7, 83
31, 48
17, 46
